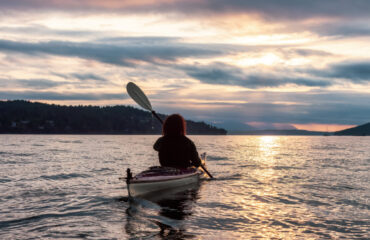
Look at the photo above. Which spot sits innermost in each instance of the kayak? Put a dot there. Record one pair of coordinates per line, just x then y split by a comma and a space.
160, 178
157, 179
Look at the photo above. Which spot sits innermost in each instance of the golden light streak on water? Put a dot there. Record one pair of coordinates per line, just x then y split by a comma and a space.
264, 203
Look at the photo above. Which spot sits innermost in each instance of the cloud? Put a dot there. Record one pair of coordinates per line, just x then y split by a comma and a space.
343, 28
126, 54
88, 76
270, 9
38, 84
282, 9
316, 106
287, 27
223, 74
50, 95
219, 73
317, 112
303, 52
166, 51
39, 30
355, 71
81, 76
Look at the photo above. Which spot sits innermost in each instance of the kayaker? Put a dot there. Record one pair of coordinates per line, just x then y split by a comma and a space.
174, 148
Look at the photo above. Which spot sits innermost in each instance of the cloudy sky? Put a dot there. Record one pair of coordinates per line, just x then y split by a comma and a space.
271, 63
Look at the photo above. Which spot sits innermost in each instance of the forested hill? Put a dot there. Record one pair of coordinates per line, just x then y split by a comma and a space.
361, 130
28, 117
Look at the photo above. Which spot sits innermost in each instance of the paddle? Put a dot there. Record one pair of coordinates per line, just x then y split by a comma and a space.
140, 98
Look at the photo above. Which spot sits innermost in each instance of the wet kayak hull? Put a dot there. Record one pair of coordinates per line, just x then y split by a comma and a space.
144, 187
157, 179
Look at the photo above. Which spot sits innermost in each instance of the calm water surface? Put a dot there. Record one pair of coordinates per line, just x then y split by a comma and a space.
67, 186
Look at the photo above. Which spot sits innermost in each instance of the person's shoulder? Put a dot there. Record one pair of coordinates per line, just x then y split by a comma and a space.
157, 145
185, 138
188, 140
160, 139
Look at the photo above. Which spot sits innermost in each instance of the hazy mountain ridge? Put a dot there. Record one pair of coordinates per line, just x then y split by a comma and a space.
33, 117
234, 127
289, 132
361, 130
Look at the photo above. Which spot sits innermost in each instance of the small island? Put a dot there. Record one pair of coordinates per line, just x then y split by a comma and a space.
24, 117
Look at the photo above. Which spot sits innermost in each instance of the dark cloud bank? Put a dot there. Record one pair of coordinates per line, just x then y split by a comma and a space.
219, 73
152, 50
51, 95
229, 75
273, 9
342, 13
319, 111
122, 55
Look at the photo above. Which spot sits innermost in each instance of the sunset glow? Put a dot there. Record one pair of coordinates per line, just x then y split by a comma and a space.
282, 66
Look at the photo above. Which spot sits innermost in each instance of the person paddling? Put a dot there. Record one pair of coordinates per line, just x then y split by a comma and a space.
174, 148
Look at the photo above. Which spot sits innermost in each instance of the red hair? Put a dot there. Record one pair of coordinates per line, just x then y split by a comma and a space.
174, 125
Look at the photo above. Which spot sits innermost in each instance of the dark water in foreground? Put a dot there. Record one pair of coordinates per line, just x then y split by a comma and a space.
57, 186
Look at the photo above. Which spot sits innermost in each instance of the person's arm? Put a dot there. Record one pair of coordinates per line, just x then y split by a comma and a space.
157, 144
194, 156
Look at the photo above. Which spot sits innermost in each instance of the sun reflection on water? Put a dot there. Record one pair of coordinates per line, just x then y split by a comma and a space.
268, 146
268, 149
263, 205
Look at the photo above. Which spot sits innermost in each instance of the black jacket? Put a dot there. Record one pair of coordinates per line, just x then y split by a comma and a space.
177, 151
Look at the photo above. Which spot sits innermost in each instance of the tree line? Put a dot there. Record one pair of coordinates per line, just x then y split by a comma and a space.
21, 116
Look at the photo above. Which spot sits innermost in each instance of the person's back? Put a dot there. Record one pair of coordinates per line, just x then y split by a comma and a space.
176, 151
174, 148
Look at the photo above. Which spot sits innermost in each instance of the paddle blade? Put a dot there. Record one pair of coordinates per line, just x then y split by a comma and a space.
138, 96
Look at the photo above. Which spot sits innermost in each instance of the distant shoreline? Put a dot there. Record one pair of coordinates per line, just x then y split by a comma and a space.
24, 117
113, 134
152, 134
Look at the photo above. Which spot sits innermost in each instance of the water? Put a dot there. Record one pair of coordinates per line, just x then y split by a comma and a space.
67, 186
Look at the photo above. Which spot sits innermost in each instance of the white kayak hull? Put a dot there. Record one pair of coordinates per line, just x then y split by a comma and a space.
157, 179
139, 188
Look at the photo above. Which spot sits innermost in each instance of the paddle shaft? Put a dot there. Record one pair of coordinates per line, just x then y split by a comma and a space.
204, 169
155, 115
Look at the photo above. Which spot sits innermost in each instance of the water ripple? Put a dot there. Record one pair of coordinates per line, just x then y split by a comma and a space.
63, 176
67, 186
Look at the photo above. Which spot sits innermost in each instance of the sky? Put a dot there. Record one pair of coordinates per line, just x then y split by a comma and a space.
279, 64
